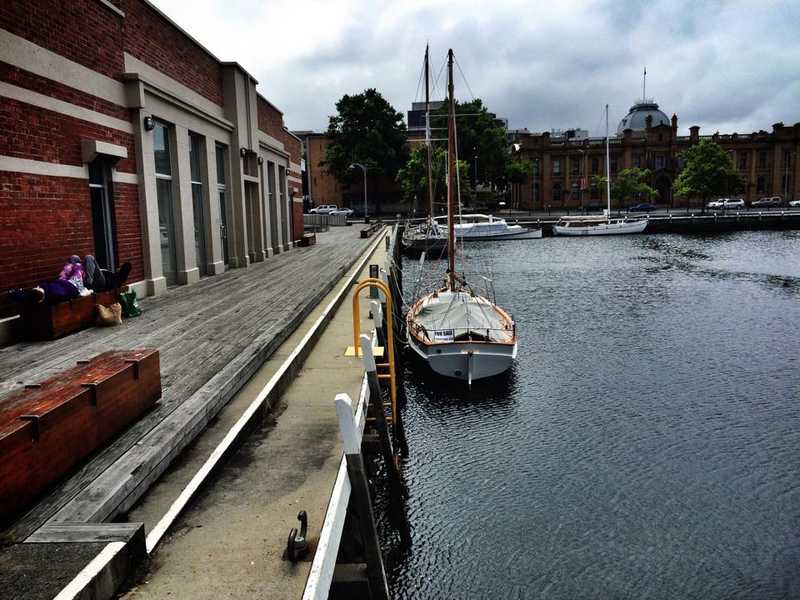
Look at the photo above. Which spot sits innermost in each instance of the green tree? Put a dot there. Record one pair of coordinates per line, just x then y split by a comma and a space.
709, 171
413, 179
482, 142
517, 171
631, 184
366, 130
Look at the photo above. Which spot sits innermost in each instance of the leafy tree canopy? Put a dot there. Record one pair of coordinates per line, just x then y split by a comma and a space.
630, 184
367, 130
709, 171
413, 179
481, 136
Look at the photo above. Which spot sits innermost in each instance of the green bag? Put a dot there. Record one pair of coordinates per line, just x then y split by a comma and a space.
130, 305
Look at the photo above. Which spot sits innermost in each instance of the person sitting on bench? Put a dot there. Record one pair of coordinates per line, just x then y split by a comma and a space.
70, 283
100, 280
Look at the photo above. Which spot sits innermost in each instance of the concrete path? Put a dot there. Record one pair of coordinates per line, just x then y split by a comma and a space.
230, 541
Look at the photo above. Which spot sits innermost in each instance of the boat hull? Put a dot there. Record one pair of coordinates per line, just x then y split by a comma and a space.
467, 361
440, 243
602, 229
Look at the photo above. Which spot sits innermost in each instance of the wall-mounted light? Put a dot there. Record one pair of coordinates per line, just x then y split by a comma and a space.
149, 123
260, 160
243, 152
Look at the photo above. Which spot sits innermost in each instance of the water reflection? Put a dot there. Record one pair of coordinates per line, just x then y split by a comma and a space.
643, 446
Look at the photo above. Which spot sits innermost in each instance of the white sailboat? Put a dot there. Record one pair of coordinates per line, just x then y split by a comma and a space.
601, 225
457, 332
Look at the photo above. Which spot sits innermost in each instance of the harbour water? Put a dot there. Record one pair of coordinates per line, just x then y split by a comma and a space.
646, 443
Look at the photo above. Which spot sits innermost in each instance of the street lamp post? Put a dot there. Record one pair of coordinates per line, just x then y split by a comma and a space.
364, 169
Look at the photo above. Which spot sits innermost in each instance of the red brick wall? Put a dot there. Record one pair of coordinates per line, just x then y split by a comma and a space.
270, 121
47, 219
154, 40
39, 134
53, 89
127, 228
83, 31
297, 223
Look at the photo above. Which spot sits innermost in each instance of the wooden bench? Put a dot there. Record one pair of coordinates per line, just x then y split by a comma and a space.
49, 428
368, 231
308, 239
51, 321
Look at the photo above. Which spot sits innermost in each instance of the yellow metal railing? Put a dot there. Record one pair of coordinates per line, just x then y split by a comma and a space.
369, 283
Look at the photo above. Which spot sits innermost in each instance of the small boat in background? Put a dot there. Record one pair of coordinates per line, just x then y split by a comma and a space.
605, 225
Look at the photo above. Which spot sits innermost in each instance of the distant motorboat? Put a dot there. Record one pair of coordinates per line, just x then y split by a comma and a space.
432, 234
481, 228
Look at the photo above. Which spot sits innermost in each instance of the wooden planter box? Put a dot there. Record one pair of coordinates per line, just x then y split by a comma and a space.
49, 428
48, 322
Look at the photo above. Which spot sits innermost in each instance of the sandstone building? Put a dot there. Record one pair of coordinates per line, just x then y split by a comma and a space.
563, 166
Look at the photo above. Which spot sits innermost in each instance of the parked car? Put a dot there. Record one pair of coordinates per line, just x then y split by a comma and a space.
767, 202
794, 203
642, 207
324, 209
342, 211
733, 203
716, 203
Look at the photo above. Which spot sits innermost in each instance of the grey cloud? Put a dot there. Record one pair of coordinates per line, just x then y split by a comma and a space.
728, 66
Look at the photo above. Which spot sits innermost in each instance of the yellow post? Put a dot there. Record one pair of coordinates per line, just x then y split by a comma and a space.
371, 282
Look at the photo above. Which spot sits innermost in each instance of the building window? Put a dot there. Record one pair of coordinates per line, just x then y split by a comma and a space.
222, 191
101, 197
762, 159
556, 166
787, 159
637, 160
162, 155
613, 164
595, 166
575, 165
535, 192
557, 193
659, 161
535, 167
760, 183
742, 160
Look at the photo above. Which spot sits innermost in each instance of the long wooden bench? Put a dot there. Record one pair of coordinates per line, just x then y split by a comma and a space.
51, 321
50, 427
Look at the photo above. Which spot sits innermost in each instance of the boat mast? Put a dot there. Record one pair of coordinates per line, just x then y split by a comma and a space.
608, 169
428, 131
451, 184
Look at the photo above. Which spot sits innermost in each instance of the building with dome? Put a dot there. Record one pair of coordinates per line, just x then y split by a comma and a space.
564, 165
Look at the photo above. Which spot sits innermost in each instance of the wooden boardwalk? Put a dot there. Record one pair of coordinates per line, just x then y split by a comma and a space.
212, 336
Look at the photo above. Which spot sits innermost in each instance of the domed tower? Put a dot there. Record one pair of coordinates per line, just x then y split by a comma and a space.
637, 117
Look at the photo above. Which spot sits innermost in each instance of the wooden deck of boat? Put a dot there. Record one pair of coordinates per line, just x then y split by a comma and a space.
211, 335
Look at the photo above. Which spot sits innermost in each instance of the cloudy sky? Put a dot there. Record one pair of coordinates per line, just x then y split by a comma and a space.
727, 66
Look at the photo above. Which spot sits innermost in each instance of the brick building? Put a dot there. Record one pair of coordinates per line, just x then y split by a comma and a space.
121, 136
383, 192
563, 165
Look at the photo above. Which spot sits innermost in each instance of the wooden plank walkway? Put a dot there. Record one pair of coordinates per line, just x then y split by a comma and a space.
212, 336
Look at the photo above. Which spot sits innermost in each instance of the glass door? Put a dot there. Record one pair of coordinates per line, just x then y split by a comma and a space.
166, 217
198, 205
222, 189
